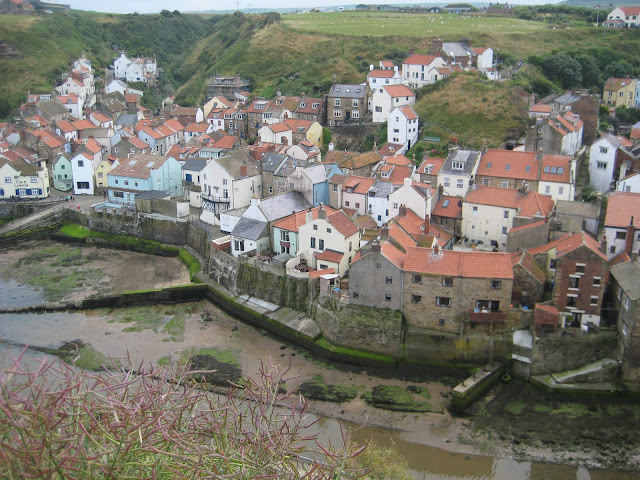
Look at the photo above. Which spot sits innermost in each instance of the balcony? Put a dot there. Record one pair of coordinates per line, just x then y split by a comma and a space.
479, 316
215, 198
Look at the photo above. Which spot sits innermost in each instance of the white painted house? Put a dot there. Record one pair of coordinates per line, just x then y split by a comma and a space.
229, 182
416, 68
386, 98
402, 128
630, 183
142, 70
83, 168
602, 162
413, 195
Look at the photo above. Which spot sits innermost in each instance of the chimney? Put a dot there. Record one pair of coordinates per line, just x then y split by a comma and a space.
308, 218
437, 46
402, 211
331, 146
371, 67
427, 225
484, 146
395, 68
436, 249
375, 246
243, 170
629, 241
411, 51
375, 146
384, 233
407, 182
322, 213
303, 95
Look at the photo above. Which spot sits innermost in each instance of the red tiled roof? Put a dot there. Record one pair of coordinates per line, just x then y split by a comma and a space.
401, 236
329, 256
389, 149
319, 273
441, 234
568, 243
83, 124
139, 165
528, 205
93, 146
294, 221
393, 254
613, 83
547, 308
622, 206
459, 264
509, 164
630, 10
436, 164
297, 124
228, 141
343, 223
479, 50
197, 127
409, 112
359, 184
174, 124
337, 179
381, 73
551, 165
452, 210
131, 97
541, 108
399, 91
417, 59
100, 117
279, 127
138, 143
361, 160
153, 133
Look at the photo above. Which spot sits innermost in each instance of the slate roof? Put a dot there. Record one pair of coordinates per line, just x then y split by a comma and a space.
628, 276
459, 49
250, 229
194, 165
468, 157
280, 206
52, 107
234, 160
316, 174
341, 90
459, 264
381, 189
271, 161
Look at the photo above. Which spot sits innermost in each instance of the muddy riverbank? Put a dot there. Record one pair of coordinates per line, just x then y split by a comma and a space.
513, 420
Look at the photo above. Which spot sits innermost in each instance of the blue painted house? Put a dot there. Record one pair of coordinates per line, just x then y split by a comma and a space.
144, 172
62, 173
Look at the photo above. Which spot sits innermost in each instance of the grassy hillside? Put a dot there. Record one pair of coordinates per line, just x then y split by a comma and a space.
472, 109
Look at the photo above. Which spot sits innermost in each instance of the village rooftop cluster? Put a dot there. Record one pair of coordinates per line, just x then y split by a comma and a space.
456, 243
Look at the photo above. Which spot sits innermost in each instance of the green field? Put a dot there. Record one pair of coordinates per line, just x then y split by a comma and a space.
407, 25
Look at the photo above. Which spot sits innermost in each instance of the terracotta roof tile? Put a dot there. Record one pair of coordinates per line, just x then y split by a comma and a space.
319, 273
393, 254
453, 208
459, 264
399, 91
343, 223
418, 59
359, 184
556, 168
401, 236
509, 164
293, 222
529, 205
361, 160
622, 206
409, 112
381, 73
329, 256
526, 261
435, 164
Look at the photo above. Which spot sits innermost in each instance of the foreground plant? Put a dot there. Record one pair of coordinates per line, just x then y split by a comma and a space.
58, 422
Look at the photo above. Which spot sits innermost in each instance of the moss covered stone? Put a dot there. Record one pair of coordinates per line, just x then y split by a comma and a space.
317, 389
222, 366
395, 398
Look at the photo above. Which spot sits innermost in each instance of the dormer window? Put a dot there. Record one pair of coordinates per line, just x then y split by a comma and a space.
302, 105
315, 105
457, 165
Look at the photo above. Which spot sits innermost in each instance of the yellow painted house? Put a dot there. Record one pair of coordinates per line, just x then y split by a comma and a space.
104, 167
619, 92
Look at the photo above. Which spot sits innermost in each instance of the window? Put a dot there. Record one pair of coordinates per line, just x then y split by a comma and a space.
416, 298
354, 103
337, 102
612, 249
135, 183
357, 205
328, 230
355, 295
387, 298
447, 181
571, 301
504, 230
355, 114
594, 300
560, 190
443, 301
238, 245
459, 183
416, 278
621, 235
313, 242
7, 179
321, 244
378, 265
284, 235
82, 185
547, 189
496, 284
441, 322
33, 179
627, 303
457, 165
505, 214
447, 282
315, 227
596, 281
224, 181
474, 210
225, 193
118, 194
100, 175
574, 282
81, 163
126, 182
485, 182
388, 280
505, 183
601, 165
346, 203
350, 246
335, 189
379, 109
337, 113
580, 268
395, 206
270, 189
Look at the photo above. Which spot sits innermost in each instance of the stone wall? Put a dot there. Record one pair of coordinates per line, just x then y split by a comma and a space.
527, 238
558, 354
198, 239
223, 269
441, 348
173, 232
362, 328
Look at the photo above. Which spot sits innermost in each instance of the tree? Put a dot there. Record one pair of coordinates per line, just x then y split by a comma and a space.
563, 69
57, 422
590, 71
618, 69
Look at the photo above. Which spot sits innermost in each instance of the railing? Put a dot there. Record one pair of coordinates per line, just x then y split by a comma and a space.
487, 317
215, 198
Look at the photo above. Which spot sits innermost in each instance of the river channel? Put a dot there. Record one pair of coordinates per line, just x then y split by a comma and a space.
429, 442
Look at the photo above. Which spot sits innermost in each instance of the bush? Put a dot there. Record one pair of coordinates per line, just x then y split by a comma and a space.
57, 422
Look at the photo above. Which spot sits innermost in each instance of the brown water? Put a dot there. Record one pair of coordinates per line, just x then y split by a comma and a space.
51, 329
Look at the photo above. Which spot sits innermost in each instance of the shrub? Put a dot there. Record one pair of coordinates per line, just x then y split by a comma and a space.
58, 422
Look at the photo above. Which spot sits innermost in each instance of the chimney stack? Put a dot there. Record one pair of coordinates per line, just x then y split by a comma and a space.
629, 240
243, 170
375, 246
402, 211
322, 213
